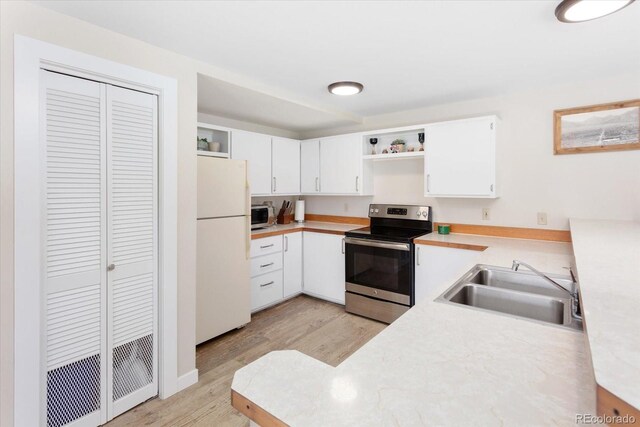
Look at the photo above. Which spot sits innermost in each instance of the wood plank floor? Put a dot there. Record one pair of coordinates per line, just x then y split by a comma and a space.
317, 328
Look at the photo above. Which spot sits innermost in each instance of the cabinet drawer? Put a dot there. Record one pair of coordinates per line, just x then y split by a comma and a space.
267, 245
266, 264
266, 289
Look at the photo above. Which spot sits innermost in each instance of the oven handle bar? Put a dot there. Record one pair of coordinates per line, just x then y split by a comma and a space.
378, 244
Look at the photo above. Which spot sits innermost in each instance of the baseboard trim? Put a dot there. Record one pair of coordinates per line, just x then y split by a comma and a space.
188, 379
337, 219
483, 230
512, 232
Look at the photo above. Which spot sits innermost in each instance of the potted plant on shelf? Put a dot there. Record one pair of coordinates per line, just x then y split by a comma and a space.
398, 146
203, 144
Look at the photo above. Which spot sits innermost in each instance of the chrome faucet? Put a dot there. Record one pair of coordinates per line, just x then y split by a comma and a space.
516, 264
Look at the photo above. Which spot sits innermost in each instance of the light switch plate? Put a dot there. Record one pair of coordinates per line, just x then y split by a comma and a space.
485, 214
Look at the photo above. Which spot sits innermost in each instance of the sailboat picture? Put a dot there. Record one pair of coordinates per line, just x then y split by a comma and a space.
605, 127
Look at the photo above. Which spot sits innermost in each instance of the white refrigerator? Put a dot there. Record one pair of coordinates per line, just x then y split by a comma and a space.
224, 225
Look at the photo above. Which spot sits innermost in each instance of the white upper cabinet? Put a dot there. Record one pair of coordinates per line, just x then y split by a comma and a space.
460, 158
341, 165
310, 166
256, 149
285, 162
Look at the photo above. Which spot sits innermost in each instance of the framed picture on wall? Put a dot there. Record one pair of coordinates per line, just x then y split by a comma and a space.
604, 127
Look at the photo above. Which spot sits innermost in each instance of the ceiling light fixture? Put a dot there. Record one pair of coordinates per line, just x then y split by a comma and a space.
345, 88
572, 11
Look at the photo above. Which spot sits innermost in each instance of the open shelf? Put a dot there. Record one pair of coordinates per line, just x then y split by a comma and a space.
394, 156
215, 134
213, 154
408, 134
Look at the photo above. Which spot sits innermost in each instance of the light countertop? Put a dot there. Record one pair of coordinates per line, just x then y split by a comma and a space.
608, 263
440, 364
316, 226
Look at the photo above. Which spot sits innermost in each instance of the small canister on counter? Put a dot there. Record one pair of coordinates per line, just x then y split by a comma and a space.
444, 228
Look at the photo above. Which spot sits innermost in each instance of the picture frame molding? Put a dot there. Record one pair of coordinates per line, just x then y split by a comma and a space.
557, 128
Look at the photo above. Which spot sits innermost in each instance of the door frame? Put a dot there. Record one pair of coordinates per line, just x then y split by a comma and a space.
30, 56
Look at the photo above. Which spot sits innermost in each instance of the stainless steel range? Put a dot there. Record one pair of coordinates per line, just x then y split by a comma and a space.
379, 261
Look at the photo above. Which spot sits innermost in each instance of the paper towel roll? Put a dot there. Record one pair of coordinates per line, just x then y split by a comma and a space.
299, 215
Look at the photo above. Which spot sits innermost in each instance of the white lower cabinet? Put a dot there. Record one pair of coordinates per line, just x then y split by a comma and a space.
323, 266
266, 272
437, 266
292, 264
266, 264
266, 290
285, 266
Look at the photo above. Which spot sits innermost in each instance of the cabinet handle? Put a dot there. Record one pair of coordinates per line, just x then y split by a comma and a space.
266, 265
317, 186
274, 184
428, 182
492, 188
267, 284
343, 246
266, 246
111, 267
357, 178
286, 243
418, 256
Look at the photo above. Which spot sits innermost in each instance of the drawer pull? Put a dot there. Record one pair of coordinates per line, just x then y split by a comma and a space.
267, 284
265, 265
266, 246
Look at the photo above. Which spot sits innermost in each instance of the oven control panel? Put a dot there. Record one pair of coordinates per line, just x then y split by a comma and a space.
422, 213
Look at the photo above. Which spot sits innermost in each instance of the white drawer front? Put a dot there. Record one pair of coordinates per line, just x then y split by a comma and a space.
266, 289
266, 264
267, 245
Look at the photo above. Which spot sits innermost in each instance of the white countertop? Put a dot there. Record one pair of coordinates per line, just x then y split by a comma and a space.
440, 364
608, 263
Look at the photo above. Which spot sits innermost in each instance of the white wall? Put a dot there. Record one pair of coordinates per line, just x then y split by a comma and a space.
531, 179
33, 21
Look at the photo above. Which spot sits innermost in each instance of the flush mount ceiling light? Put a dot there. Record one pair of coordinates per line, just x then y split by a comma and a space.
345, 88
585, 10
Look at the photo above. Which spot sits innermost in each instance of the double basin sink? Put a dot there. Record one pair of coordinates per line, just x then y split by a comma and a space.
516, 293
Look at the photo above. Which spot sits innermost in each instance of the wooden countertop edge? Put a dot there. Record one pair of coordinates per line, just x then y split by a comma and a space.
472, 229
254, 412
470, 247
275, 233
295, 230
610, 405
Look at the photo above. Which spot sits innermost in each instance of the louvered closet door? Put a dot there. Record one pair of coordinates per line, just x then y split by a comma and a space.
132, 242
74, 249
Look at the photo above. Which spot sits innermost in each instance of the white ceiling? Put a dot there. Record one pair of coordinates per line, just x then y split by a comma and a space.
407, 54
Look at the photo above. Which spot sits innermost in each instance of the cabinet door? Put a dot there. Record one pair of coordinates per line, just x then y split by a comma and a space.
460, 158
438, 267
292, 264
323, 261
255, 148
310, 166
285, 160
341, 164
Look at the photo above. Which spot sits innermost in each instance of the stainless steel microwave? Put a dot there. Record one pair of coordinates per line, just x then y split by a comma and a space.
262, 216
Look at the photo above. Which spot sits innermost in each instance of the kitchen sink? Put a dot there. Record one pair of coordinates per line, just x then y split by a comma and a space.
521, 294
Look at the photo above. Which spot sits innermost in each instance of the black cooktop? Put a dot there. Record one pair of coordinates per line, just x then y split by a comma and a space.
395, 223
394, 234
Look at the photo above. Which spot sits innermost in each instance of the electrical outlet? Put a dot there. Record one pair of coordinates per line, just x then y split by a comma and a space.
542, 218
485, 214
346, 207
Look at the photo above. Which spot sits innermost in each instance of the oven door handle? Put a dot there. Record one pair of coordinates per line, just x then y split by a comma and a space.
378, 244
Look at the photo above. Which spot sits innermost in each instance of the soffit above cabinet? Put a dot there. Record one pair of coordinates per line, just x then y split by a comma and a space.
227, 100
